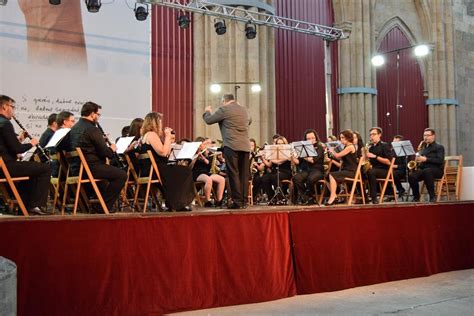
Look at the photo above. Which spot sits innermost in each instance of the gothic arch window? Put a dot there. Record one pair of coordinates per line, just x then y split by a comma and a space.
402, 81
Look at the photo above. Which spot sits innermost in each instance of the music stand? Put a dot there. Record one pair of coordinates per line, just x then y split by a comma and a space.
277, 152
304, 149
404, 149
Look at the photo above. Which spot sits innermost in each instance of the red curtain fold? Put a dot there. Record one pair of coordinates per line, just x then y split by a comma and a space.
150, 265
336, 250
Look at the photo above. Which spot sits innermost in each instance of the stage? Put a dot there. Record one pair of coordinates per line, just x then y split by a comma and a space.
134, 264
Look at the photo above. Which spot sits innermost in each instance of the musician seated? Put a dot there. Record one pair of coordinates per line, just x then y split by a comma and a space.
280, 169
430, 159
349, 163
257, 170
86, 135
202, 171
380, 155
64, 119
309, 171
177, 180
33, 192
399, 169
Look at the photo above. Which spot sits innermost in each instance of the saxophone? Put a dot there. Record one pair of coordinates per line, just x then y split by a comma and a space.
366, 164
214, 168
413, 164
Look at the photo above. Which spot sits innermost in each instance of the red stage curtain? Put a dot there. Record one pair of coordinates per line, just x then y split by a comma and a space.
337, 250
149, 265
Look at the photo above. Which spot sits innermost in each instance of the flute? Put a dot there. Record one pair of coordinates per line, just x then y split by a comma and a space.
28, 135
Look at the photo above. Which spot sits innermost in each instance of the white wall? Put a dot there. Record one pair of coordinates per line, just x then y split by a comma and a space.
116, 74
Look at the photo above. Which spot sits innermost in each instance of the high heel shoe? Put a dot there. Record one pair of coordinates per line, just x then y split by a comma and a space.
330, 204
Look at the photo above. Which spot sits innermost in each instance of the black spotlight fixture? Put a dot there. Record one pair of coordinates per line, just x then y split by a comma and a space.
183, 21
250, 30
141, 12
93, 6
3, 2
220, 27
55, 2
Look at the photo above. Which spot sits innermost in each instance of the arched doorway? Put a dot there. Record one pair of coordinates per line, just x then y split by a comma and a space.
413, 114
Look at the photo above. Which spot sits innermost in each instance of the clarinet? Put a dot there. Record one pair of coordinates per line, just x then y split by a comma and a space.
43, 153
117, 157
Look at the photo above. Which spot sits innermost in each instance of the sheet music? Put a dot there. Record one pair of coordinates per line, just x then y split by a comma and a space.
277, 152
57, 137
304, 149
123, 143
175, 149
26, 156
403, 148
337, 145
188, 150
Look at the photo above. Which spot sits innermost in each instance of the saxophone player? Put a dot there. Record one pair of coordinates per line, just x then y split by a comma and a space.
380, 155
430, 160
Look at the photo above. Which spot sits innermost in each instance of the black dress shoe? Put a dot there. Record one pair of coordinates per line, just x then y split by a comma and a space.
234, 206
208, 204
218, 204
432, 200
375, 201
416, 199
185, 209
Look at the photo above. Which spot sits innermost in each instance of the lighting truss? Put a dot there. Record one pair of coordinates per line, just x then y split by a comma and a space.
259, 18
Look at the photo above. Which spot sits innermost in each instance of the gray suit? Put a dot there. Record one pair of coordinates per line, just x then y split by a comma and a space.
234, 121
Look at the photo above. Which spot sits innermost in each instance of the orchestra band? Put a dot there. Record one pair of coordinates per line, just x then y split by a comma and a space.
226, 173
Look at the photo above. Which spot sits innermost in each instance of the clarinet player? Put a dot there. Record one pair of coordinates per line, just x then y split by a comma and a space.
34, 192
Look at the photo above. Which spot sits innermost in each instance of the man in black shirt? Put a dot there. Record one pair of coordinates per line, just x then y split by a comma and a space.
85, 135
34, 192
431, 161
49, 132
310, 170
399, 169
380, 155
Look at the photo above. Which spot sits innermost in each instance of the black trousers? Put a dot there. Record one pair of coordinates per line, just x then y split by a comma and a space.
305, 181
270, 181
372, 176
398, 176
33, 192
114, 182
428, 175
237, 170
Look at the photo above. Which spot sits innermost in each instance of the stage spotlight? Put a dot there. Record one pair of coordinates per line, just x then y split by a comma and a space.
183, 21
216, 88
3, 2
93, 6
220, 27
55, 2
256, 88
422, 50
378, 60
141, 12
250, 30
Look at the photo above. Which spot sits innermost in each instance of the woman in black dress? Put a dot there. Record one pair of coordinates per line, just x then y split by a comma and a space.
177, 180
349, 163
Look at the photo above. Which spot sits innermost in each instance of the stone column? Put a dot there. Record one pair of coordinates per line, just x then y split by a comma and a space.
234, 58
441, 91
357, 98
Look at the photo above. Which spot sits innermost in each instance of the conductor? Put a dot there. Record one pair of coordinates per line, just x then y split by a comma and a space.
234, 121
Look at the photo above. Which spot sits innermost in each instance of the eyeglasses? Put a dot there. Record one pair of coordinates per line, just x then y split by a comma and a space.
372, 134
13, 106
98, 114
426, 135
